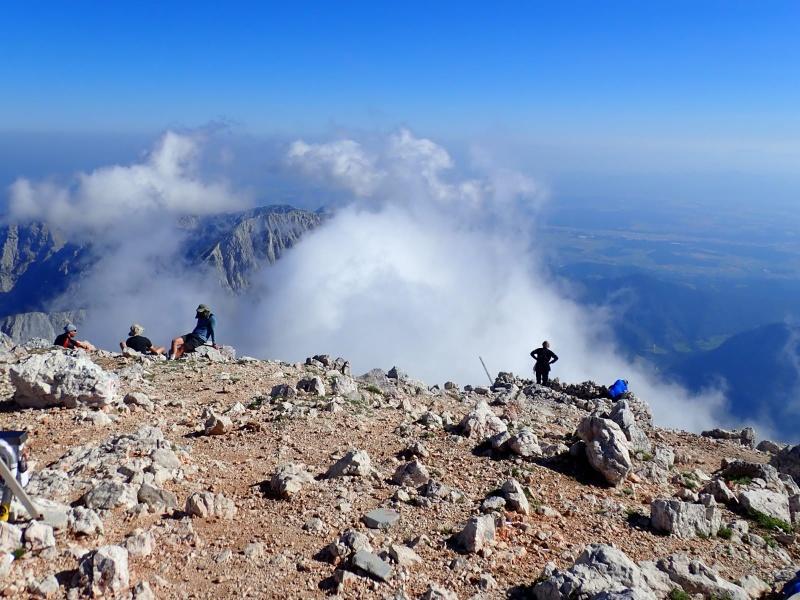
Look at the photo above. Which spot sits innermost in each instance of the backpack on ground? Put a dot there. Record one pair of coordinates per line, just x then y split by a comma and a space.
618, 389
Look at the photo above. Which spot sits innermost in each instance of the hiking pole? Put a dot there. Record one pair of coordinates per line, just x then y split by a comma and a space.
487, 371
16, 489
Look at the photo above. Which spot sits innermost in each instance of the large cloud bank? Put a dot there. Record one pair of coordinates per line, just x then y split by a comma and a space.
428, 271
424, 268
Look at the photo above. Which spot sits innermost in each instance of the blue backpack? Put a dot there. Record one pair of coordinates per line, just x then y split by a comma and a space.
792, 587
619, 387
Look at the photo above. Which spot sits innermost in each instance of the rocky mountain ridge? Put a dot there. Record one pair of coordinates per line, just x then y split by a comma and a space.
221, 477
37, 262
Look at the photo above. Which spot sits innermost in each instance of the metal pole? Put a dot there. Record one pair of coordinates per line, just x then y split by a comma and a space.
487, 371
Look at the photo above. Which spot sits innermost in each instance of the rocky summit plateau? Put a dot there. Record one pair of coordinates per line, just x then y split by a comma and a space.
222, 477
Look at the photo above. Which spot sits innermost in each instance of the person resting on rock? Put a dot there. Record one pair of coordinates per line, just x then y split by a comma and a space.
203, 331
136, 341
67, 339
544, 357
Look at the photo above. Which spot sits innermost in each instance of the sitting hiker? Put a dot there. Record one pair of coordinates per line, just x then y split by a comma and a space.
67, 339
136, 341
203, 331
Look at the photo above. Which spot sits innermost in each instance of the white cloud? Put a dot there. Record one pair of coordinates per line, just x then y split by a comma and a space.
345, 161
434, 271
165, 184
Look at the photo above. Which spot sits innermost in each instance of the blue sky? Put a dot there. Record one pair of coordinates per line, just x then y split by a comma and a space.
454, 67
599, 87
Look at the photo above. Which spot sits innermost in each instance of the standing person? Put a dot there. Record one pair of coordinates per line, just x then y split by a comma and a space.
136, 341
203, 331
67, 339
544, 357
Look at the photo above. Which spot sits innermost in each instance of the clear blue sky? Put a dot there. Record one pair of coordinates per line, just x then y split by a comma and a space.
566, 67
630, 99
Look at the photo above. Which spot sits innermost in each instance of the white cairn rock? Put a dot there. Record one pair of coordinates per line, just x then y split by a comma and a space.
59, 378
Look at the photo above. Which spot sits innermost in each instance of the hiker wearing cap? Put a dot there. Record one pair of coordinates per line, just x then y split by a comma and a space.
544, 357
203, 331
67, 339
136, 341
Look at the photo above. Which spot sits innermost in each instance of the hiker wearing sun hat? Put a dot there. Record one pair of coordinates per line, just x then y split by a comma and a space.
67, 339
202, 333
136, 341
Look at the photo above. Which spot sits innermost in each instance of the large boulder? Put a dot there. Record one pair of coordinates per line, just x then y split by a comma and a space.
746, 436
767, 502
606, 448
59, 378
696, 578
788, 461
684, 519
599, 569
623, 416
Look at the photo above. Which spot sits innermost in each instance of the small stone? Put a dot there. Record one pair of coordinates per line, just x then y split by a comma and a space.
46, 588
315, 525
254, 550
524, 443
381, 518
684, 519
289, 479
39, 536
10, 537
411, 473
493, 503
156, 498
356, 463
372, 564
143, 591
217, 424
207, 504
515, 496
85, 521
105, 571
223, 556
477, 534
437, 592
140, 543
486, 582
403, 555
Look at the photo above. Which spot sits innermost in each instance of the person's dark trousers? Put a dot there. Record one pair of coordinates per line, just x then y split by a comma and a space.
542, 377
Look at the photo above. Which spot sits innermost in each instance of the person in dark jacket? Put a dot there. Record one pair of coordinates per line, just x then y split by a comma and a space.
67, 339
136, 341
544, 357
202, 332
